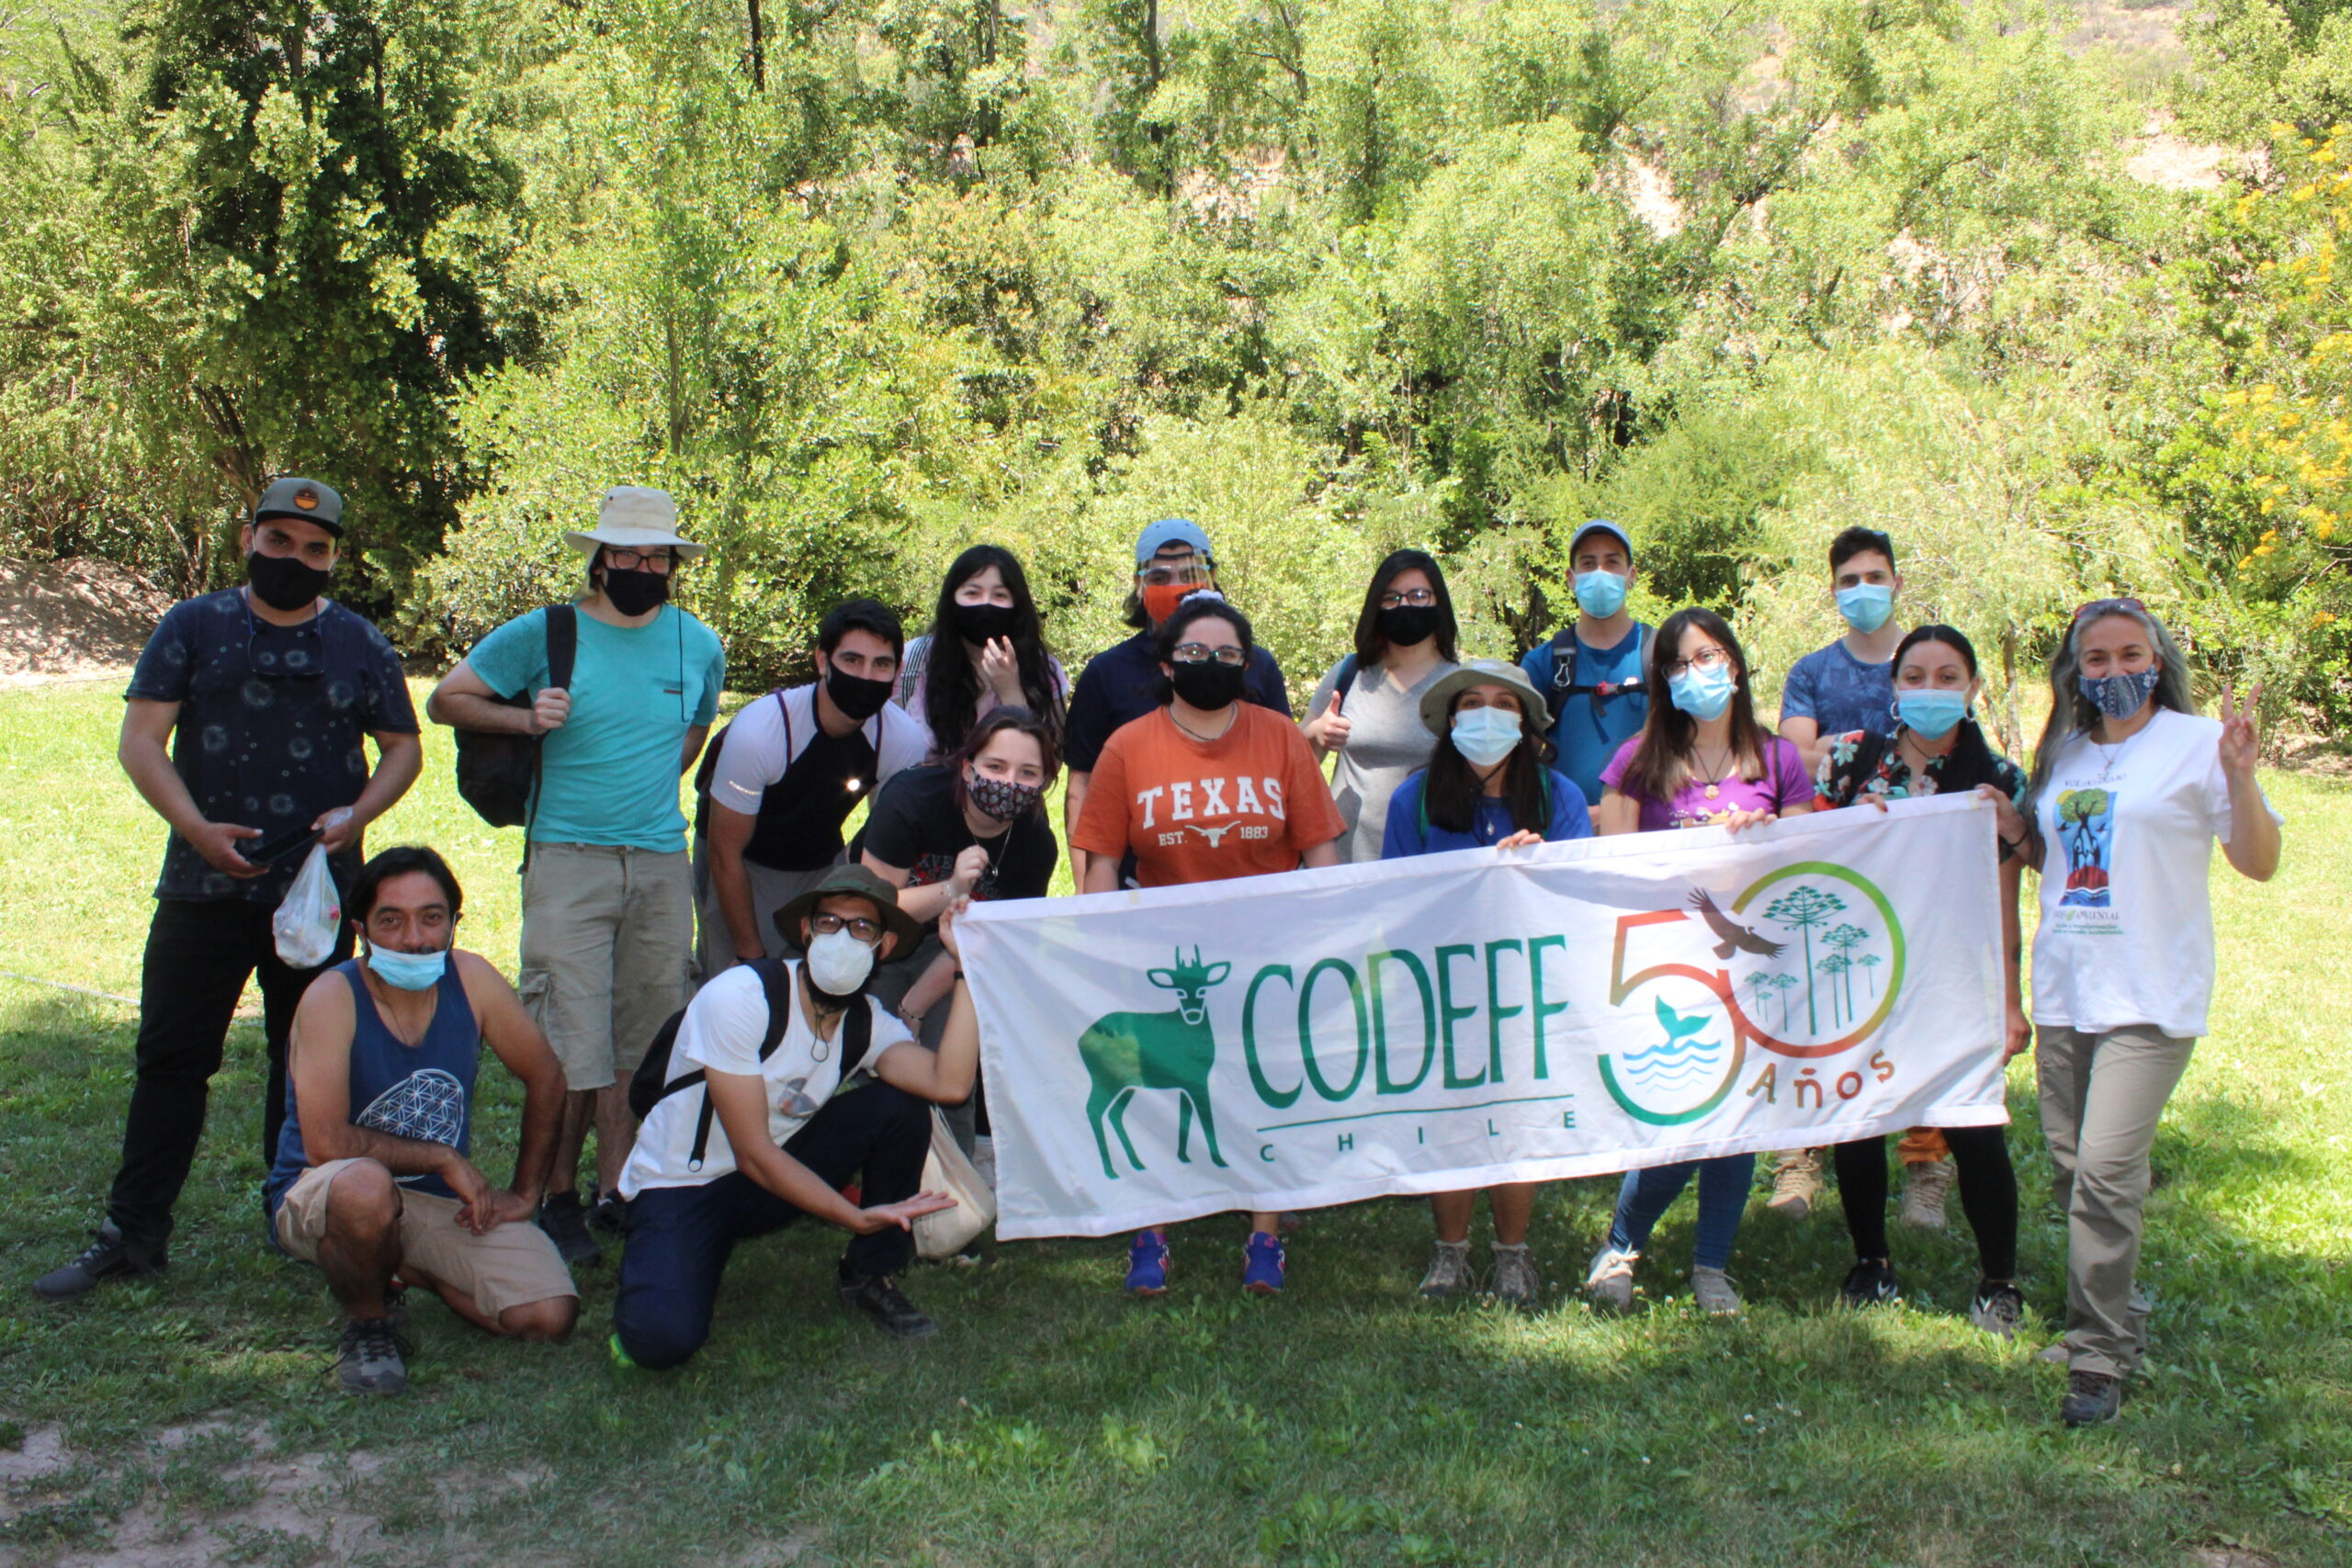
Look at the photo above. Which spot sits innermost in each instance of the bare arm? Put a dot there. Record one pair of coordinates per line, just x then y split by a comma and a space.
692, 748
945, 1078
141, 751
1073, 798
508, 1031
319, 1062
726, 833
740, 1099
463, 700
1321, 855
1805, 734
2020, 1029
927, 902
2254, 842
933, 984
1617, 813
1102, 874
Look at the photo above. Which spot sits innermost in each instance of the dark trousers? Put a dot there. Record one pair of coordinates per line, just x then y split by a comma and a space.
199, 955
1988, 1195
681, 1237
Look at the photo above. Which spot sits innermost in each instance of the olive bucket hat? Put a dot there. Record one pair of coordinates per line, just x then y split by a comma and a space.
855, 882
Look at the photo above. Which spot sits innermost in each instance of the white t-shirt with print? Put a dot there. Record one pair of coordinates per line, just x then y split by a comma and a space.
757, 754
722, 1031
2127, 918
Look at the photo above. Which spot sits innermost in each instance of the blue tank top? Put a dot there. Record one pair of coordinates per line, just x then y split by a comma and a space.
423, 1091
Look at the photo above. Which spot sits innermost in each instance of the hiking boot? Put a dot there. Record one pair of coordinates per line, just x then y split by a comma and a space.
884, 1305
610, 1215
1926, 1185
566, 1224
1263, 1265
1449, 1272
1796, 1184
1869, 1283
2091, 1398
1997, 1309
1610, 1282
1516, 1283
1710, 1290
109, 1256
1148, 1264
371, 1358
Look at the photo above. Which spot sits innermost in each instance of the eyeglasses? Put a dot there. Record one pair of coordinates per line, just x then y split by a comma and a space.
1202, 653
1706, 659
2100, 606
657, 562
865, 930
1161, 574
1419, 598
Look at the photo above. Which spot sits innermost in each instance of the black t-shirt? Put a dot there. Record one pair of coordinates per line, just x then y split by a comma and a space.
915, 823
1121, 684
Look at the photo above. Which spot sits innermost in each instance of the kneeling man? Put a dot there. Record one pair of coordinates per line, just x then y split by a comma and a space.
795, 1099
373, 1182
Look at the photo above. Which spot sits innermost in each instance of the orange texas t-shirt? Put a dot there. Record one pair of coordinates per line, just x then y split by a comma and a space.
1247, 804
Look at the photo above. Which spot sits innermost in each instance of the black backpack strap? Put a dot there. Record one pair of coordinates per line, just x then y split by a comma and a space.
775, 980
563, 649
857, 1035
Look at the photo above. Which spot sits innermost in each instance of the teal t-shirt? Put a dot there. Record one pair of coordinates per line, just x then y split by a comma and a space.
610, 774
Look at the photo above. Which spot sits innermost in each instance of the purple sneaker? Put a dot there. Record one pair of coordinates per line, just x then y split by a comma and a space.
1147, 1265
1262, 1267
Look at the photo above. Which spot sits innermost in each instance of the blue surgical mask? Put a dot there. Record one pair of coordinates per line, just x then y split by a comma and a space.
1703, 693
1485, 736
1866, 605
1599, 594
408, 971
2120, 696
1929, 713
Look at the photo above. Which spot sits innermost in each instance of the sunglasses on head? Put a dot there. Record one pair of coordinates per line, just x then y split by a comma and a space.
2101, 607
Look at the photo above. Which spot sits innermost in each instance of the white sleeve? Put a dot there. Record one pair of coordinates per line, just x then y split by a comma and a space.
752, 760
905, 742
888, 1030
725, 1023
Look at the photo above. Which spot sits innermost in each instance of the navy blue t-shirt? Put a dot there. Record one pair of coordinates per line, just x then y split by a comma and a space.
1121, 684
271, 727
1839, 693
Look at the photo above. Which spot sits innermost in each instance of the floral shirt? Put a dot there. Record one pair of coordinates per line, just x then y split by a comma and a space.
1861, 765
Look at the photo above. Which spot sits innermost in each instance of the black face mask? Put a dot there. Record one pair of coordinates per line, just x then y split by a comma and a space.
635, 593
1209, 685
861, 700
1405, 624
284, 582
983, 624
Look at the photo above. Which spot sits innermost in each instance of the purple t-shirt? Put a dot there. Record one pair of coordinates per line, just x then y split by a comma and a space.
1785, 784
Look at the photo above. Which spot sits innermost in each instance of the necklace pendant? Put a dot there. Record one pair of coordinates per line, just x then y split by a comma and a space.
1714, 791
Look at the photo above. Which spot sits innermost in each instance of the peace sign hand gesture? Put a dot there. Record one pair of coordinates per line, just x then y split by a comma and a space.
2241, 739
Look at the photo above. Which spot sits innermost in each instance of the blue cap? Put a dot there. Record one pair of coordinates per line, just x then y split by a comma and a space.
1602, 526
1171, 531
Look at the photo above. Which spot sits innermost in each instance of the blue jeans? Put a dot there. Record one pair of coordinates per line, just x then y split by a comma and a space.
1723, 1198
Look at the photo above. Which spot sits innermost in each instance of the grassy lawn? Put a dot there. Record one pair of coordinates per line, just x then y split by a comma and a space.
1052, 1421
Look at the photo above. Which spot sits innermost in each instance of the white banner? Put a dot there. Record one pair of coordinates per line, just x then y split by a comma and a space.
1456, 1020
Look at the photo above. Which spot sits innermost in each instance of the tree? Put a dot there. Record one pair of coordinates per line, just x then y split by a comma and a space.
1870, 962
1805, 907
1784, 984
1759, 988
1845, 939
1835, 965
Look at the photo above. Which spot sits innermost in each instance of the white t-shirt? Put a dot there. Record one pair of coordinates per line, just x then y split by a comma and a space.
756, 754
2127, 919
722, 1031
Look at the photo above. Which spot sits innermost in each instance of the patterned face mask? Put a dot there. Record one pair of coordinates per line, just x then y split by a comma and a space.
2119, 696
1001, 799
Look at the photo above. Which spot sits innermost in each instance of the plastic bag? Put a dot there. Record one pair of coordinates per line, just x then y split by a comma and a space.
308, 922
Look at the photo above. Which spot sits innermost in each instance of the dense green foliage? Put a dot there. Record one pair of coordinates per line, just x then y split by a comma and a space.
863, 282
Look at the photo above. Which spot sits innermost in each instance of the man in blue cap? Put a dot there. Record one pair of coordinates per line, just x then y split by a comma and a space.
265, 695
1591, 671
1122, 683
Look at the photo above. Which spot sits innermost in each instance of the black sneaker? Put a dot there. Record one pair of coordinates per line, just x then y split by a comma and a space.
1997, 1309
610, 1215
372, 1358
109, 1256
1868, 1284
885, 1305
2091, 1398
566, 1224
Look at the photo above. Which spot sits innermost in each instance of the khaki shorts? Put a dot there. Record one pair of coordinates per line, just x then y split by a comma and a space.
608, 935
514, 1266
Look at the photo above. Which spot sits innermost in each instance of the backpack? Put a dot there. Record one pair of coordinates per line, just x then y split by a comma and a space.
1561, 677
497, 770
652, 1083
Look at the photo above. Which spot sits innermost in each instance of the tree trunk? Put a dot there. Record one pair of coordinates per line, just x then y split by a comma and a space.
759, 49
2011, 738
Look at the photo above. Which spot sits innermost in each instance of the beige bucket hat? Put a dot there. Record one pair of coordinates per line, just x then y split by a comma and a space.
634, 518
1485, 672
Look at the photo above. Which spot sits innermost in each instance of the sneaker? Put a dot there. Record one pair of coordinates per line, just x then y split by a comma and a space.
610, 1215
1710, 1290
109, 1256
1449, 1272
1263, 1265
1610, 1282
2091, 1398
1926, 1185
1147, 1265
884, 1305
1516, 1283
1998, 1309
566, 1224
1796, 1184
371, 1358
1869, 1283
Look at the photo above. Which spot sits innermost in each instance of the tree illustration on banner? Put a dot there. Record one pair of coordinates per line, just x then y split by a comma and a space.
1760, 989
1869, 961
1845, 939
1805, 907
1837, 963
1784, 984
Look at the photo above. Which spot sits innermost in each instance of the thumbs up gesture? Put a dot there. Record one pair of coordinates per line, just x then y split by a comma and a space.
1328, 729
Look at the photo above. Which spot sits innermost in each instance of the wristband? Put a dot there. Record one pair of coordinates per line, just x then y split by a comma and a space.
959, 975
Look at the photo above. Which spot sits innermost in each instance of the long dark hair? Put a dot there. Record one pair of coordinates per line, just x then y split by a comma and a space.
952, 681
1450, 793
1371, 646
2070, 712
1661, 761
999, 720
1970, 762
1198, 606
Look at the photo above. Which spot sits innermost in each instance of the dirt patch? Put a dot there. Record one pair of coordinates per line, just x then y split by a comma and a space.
72, 619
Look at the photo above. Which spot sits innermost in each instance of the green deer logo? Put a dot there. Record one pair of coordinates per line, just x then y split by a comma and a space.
1128, 1051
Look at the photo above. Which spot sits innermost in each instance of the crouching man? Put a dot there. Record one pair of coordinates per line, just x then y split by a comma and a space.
784, 1083
373, 1182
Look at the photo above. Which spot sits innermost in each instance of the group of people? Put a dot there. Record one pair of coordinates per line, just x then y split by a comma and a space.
757, 1015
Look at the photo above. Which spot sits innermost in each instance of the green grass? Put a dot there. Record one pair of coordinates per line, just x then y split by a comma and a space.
1052, 1421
